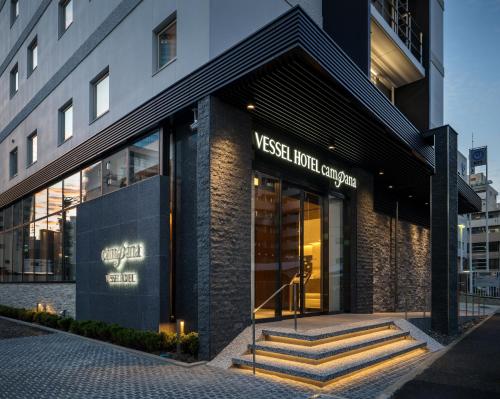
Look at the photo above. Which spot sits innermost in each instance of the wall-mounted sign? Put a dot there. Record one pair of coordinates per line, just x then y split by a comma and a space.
119, 256
300, 158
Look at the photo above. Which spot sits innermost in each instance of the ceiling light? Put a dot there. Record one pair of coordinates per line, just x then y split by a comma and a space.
391, 186
331, 147
250, 107
410, 196
381, 172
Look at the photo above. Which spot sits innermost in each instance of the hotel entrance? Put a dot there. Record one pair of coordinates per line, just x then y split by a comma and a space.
296, 232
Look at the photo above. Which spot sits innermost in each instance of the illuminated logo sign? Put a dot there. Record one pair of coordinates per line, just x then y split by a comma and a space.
118, 257
297, 157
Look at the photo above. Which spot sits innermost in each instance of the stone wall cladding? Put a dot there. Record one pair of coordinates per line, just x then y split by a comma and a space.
57, 296
224, 276
377, 285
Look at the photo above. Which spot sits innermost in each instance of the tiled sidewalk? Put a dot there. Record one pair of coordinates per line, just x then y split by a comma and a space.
65, 366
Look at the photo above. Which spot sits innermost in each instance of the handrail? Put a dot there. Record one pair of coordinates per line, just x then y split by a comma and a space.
293, 282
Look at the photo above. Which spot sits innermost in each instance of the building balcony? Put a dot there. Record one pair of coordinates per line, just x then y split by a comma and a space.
396, 45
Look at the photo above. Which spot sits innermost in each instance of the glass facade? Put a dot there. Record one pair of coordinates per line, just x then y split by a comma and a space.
38, 233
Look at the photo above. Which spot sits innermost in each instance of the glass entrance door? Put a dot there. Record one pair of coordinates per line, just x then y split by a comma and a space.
288, 232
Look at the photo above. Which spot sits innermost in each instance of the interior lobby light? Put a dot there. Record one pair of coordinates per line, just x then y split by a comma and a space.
250, 107
255, 181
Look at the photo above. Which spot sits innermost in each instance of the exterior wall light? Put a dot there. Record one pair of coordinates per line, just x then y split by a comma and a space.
250, 107
331, 147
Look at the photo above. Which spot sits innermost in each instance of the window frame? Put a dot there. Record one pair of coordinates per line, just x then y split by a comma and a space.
14, 80
93, 95
31, 48
163, 26
30, 159
13, 172
62, 16
62, 122
14, 11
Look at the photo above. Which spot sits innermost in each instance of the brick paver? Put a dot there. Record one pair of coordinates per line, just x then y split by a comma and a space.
64, 366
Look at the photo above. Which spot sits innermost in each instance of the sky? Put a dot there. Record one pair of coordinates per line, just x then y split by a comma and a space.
472, 76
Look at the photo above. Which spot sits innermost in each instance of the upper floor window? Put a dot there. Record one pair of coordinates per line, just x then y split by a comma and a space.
14, 80
100, 94
32, 56
66, 122
14, 11
32, 148
13, 163
65, 15
166, 43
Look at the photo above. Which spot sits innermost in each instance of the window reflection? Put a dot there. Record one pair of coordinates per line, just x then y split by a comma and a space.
38, 233
144, 158
114, 174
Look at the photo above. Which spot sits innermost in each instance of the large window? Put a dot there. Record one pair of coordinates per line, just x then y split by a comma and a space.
166, 43
13, 163
14, 80
32, 56
65, 15
66, 122
38, 233
100, 95
14, 11
32, 148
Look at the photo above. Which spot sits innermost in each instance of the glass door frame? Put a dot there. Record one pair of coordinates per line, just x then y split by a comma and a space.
324, 287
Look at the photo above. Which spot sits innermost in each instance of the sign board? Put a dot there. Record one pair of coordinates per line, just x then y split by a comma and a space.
118, 257
302, 159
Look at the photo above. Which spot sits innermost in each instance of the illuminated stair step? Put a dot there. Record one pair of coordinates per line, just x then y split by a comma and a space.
330, 350
322, 374
318, 338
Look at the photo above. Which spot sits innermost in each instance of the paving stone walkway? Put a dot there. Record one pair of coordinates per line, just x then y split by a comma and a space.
64, 366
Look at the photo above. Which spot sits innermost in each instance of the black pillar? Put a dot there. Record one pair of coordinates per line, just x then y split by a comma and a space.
444, 232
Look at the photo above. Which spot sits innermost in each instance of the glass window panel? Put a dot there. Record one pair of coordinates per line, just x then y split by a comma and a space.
17, 254
114, 175
167, 45
54, 247
91, 182
102, 96
7, 257
27, 253
32, 148
68, 122
2, 250
70, 244
68, 14
40, 250
17, 211
144, 158
1, 220
34, 56
312, 252
55, 197
7, 217
41, 204
28, 209
71, 190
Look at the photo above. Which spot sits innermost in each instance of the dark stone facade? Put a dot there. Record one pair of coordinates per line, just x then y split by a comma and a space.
224, 172
138, 213
380, 283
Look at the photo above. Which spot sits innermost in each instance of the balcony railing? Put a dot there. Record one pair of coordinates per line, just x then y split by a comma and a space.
399, 18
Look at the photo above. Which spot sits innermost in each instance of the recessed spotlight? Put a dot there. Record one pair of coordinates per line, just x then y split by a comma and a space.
410, 196
391, 186
426, 203
250, 107
381, 172
331, 147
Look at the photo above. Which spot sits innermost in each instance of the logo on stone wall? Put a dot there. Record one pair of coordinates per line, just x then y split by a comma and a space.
119, 256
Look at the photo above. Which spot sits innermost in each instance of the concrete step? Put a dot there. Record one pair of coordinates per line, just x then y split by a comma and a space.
324, 373
318, 337
329, 350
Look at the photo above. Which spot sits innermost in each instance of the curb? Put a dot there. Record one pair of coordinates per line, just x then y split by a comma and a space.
388, 392
117, 347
